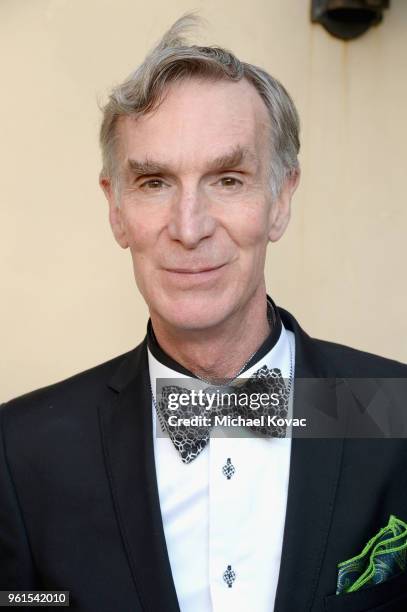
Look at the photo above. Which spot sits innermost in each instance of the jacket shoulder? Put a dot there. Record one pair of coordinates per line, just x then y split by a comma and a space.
80, 390
352, 362
333, 359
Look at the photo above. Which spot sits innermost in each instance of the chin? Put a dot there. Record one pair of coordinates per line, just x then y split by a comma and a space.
190, 311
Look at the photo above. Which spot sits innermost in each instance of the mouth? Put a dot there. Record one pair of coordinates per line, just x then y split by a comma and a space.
187, 277
190, 271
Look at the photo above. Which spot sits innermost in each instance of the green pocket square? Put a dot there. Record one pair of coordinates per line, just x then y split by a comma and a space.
383, 556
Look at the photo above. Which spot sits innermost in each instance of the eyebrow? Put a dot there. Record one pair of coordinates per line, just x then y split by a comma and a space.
227, 161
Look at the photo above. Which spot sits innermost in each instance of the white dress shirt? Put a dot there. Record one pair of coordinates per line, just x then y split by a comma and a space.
211, 521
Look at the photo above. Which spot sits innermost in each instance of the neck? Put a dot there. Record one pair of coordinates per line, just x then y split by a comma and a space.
221, 352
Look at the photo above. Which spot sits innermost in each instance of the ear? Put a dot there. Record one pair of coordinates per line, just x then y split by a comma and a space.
280, 210
115, 213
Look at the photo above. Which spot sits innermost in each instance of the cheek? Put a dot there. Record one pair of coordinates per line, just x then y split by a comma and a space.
140, 243
250, 232
251, 229
141, 236
140, 232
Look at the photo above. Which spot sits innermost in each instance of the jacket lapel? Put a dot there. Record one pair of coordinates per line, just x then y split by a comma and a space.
126, 425
314, 474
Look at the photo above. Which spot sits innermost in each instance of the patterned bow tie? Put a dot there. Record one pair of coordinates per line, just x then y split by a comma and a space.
188, 415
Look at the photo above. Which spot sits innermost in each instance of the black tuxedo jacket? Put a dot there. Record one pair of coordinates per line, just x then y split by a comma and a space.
79, 506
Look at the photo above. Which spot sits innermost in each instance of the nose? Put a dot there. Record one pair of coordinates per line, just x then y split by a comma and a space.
191, 218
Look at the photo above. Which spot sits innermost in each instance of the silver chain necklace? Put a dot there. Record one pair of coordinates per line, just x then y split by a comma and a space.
227, 381
289, 386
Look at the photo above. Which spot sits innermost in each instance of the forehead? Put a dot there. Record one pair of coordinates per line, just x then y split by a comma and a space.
198, 120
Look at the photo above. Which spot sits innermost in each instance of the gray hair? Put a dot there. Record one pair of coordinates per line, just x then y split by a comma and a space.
173, 60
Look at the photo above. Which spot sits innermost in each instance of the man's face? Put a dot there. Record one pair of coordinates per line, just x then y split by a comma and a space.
195, 205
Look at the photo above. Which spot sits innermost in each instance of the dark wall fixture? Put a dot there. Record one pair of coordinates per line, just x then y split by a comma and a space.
348, 19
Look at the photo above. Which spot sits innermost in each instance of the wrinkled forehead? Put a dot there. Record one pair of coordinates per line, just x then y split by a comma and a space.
198, 120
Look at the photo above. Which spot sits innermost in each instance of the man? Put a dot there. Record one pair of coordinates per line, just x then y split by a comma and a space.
99, 496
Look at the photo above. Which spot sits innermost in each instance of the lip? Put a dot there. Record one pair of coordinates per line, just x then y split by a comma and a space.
192, 272
190, 277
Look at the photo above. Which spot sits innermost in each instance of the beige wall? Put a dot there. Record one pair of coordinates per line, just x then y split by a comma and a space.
68, 296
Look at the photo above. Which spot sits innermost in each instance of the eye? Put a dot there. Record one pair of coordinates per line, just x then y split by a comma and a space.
152, 184
230, 182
